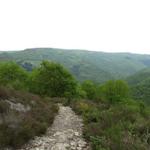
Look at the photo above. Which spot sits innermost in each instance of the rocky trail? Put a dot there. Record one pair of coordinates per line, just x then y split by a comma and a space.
64, 134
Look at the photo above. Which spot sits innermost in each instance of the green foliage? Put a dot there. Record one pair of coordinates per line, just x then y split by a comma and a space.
112, 120
115, 90
80, 92
85, 65
52, 79
120, 126
13, 75
90, 89
140, 85
98, 142
139, 77
141, 91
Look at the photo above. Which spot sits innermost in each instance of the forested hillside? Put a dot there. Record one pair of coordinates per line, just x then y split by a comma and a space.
140, 85
96, 66
139, 76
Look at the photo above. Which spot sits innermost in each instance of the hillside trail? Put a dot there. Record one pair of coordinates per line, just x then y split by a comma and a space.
64, 134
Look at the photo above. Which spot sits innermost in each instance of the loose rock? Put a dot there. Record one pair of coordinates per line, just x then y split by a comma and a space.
65, 134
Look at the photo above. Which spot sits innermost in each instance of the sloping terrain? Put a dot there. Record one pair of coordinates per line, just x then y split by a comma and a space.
65, 133
23, 116
97, 66
139, 77
120, 126
140, 85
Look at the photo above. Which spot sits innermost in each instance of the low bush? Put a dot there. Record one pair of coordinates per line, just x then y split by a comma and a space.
119, 126
25, 125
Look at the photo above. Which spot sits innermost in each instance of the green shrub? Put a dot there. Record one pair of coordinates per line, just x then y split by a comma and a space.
12, 75
119, 126
90, 89
115, 91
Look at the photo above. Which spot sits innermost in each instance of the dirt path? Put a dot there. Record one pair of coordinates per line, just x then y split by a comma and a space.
65, 133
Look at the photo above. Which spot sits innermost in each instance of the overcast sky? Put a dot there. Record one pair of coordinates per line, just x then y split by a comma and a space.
103, 25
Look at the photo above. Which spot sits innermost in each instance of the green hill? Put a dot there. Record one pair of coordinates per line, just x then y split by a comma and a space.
139, 77
96, 66
140, 85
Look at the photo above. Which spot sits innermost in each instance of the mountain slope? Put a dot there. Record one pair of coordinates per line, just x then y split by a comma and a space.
139, 77
65, 133
97, 66
140, 85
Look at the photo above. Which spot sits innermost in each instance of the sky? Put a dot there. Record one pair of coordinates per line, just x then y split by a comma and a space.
99, 25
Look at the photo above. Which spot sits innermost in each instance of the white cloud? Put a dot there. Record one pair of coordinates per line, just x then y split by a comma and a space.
105, 25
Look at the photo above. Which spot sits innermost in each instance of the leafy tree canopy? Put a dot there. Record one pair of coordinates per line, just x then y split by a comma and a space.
90, 88
115, 90
12, 74
52, 79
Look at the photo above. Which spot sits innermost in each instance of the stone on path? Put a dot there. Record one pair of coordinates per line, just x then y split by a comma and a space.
65, 134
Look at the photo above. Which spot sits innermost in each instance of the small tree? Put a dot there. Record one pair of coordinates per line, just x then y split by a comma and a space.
121, 89
115, 90
52, 79
12, 74
90, 88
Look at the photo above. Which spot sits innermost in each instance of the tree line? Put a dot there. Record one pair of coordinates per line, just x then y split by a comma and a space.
53, 80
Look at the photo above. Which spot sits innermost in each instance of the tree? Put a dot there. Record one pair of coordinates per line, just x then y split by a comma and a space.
52, 79
12, 74
90, 88
115, 90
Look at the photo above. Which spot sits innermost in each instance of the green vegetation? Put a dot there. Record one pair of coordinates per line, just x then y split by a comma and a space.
113, 120
24, 115
139, 77
141, 91
53, 80
115, 90
140, 85
12, 75
121, 126
84, 65
49, 79
90, 89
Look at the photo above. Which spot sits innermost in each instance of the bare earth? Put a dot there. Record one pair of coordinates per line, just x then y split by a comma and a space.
65, 134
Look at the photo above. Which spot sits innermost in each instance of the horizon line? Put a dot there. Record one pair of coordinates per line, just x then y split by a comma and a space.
74, 49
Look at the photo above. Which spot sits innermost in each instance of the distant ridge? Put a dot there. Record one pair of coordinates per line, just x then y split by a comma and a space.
87, 50
93, 65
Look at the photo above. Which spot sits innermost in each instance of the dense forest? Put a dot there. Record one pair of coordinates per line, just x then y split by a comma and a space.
113, 120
